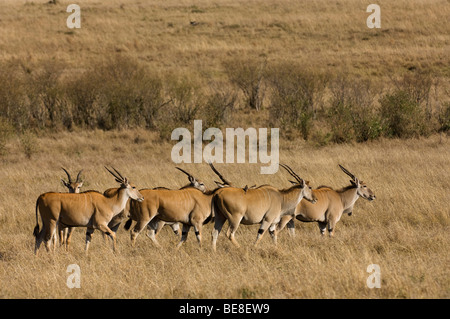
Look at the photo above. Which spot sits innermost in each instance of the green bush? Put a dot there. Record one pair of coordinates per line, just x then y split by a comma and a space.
340, 118
366, 124
121, 92
218, 107
291, 111
47, 96
248, 75
6, 132
83, 95
130, 94
14, 102
352, 115
402, 116
417, 85
118, 94
295, 95
185, 99
444, 118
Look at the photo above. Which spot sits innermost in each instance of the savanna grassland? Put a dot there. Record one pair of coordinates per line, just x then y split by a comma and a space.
404, 231
374, 100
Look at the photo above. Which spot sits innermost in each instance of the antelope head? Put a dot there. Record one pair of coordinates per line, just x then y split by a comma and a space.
73, 186
301, 183
193, 181
361, 188
224, 183
130, 188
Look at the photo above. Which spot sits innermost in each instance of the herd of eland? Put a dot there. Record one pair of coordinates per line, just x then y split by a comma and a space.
193, 205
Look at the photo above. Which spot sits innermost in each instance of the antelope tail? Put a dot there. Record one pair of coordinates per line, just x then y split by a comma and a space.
36, 228
214, 210
128, 224
207, 220
211, 216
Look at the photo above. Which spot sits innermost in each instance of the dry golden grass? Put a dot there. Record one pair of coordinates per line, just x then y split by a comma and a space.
405, 230
326, 35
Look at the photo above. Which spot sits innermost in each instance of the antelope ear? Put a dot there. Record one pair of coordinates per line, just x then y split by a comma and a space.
80, 184
307, 183
191, 179
65, 183
125, 181
293, 183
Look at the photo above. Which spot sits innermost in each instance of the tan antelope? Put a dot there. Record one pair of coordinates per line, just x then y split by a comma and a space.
65, 233
263, 205
72, 186
156, 224
90, 209
189, 206
330, 206
113, 224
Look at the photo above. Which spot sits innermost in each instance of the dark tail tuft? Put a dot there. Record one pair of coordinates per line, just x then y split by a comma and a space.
207, 220
128, 224
36, 228
36, 231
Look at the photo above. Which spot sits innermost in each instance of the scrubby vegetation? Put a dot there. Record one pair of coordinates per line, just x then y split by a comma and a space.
124, 94
145, 65
110, 93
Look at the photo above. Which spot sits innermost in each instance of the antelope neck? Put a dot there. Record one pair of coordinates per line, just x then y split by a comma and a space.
120, 200
349, 197
292, 197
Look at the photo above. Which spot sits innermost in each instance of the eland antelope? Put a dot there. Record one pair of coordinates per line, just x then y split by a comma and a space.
330, 206
189, 205
262, 205
65, 233
113, 224
156, 224
72, 186
90, 209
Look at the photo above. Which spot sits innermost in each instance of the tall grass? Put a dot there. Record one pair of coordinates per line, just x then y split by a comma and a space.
144, 65
404, 231
111, 92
